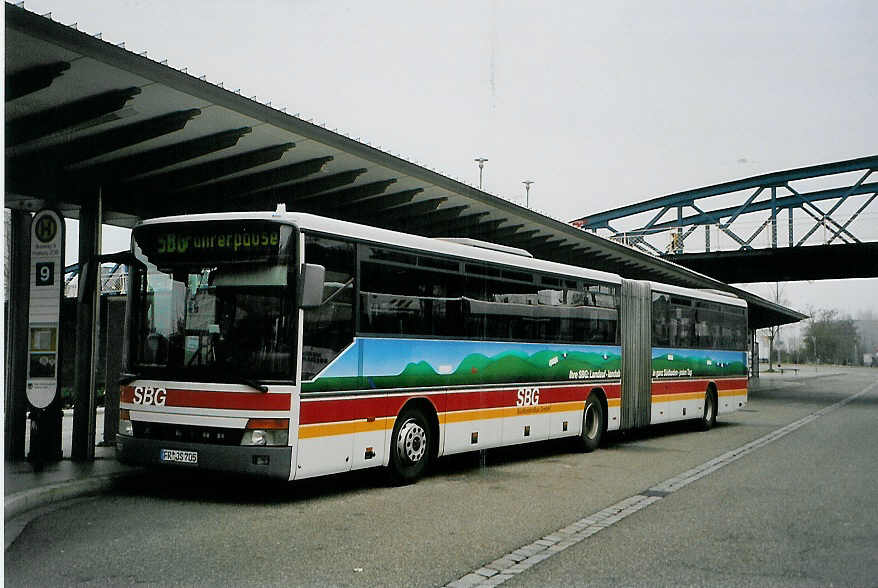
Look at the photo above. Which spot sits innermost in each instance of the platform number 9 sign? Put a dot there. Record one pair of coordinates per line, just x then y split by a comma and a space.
45, 274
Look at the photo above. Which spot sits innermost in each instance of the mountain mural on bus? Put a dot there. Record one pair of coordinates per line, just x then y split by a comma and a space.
407, 363
697, 363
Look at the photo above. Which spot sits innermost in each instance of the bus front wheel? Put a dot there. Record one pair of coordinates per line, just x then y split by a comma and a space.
410, 447
592, 423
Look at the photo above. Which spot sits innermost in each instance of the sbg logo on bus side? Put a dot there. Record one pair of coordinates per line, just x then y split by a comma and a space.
528, 397
150, 396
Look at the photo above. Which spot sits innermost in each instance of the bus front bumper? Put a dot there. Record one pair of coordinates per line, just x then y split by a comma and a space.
270, 462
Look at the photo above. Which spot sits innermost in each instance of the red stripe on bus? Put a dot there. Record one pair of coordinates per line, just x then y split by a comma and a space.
735, 384
214, 399
349, 409
685, 386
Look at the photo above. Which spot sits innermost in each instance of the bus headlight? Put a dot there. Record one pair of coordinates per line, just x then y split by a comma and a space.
265, 437
262, 432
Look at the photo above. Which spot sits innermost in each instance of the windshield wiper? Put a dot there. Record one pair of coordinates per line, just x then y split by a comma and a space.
127, 378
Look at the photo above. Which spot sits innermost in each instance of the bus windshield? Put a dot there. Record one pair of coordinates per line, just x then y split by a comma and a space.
226, 321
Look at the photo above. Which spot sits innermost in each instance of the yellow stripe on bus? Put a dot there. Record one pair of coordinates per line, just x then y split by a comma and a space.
360, 426
675, 397
696, 395
345, 428
509, 411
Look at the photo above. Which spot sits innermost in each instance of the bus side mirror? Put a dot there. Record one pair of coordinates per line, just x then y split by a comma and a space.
311, 285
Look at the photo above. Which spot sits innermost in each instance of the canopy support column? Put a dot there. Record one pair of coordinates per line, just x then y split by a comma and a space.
15, 402
87, 322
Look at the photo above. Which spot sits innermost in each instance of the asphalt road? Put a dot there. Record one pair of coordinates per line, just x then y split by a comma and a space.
800, 510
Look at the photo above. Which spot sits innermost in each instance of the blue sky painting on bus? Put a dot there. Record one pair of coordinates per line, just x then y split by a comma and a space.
426, 362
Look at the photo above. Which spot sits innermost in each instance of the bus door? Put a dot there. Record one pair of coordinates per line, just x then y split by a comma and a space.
636, 349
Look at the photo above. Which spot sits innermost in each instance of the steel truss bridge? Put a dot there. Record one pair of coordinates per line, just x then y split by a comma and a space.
807, 223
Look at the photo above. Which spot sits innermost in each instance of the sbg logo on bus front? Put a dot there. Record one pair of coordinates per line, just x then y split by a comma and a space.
150, 396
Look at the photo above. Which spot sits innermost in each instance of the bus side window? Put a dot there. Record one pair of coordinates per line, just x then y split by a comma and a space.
408, 301
329, 329
661, 329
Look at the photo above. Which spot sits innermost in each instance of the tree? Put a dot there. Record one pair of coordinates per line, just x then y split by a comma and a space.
830, 338
773, 333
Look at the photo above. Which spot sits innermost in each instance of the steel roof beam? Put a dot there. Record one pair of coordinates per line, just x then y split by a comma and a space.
116, 170
370, 204
192, 175
532, 243
464, 222
593, 260
356, 192
453, 225
33, 79
525, 237
519, 237
46, 162
396, 218
549, 249
300, 192
561, 254
555, 243
488, 233
242, 186
439, 218
51, 120
383, 202
264, 200
477, 231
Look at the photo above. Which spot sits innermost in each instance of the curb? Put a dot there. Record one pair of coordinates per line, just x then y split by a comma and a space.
21, 502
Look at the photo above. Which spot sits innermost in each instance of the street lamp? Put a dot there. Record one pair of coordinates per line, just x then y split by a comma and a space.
527, 184
481, 161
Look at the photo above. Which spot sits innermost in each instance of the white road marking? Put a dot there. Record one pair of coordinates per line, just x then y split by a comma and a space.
527, 556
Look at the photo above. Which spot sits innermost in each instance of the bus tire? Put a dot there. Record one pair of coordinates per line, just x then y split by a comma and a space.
410, 446
708, 417
593, 423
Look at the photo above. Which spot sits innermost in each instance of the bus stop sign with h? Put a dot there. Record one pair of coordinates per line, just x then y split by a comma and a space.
44, 338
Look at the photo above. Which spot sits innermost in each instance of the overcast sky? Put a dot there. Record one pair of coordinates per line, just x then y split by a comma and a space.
600, 103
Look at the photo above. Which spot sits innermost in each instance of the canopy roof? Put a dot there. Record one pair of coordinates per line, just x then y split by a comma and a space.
84, 116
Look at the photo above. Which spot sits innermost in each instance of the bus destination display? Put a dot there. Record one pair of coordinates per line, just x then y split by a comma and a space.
210, 241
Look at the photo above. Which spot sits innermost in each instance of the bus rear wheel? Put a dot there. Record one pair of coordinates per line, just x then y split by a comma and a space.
593, 423
708, 418
410, 447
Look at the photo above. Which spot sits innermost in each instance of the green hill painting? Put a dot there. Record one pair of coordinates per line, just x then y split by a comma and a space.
674, 363
406, 363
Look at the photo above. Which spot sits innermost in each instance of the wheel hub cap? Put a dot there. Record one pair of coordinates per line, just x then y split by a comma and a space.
411, 444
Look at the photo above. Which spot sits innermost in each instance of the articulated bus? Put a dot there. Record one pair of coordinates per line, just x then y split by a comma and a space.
289, 345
